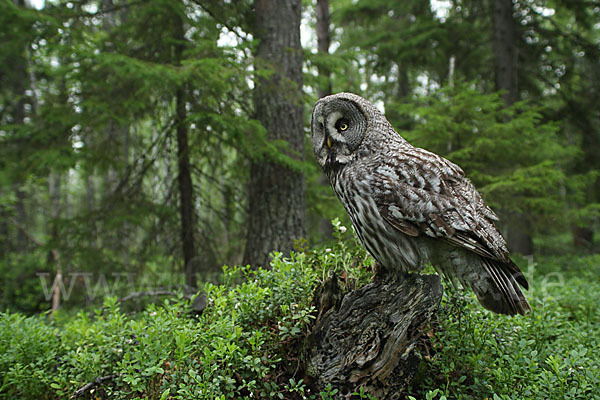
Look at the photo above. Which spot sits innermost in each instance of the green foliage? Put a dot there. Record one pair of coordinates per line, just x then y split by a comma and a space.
28, 349
246, 342
547, 354
92, 100
346, 258
21, 283
238, 347
235, 349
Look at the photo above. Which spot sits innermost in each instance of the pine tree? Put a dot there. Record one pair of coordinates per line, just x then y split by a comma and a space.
276, 191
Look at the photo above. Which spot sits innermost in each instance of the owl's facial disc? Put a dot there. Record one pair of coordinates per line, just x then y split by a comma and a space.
338, 128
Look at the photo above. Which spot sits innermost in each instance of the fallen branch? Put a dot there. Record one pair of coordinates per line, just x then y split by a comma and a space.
135, 295
81, 391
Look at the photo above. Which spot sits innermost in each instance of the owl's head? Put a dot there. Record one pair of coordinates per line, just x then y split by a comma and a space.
340, 123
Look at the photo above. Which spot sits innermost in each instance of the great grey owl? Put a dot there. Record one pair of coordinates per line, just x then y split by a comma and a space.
410, 206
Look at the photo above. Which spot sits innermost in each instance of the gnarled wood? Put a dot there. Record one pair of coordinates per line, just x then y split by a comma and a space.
368, 337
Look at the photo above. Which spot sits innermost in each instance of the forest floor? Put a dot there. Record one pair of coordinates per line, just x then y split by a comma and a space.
551, 353
245, 343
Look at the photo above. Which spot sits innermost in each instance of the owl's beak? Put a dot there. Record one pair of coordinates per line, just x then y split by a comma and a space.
329, 144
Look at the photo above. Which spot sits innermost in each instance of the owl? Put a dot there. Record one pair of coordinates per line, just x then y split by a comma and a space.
410, 207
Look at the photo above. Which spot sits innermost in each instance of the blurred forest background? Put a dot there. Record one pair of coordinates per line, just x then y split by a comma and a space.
164, 139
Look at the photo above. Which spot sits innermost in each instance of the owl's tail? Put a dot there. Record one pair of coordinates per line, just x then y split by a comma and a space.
500, 291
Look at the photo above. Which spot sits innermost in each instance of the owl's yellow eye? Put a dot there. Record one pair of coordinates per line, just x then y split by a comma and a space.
342, 125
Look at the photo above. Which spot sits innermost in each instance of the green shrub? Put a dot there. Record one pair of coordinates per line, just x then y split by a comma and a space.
551, 353
237, 348
20, 282
28, 352
246, 342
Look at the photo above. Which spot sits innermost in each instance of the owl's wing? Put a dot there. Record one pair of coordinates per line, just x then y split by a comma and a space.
420, 193
423, 193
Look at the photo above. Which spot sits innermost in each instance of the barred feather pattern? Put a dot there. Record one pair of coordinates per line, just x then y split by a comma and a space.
379, 238
410, 206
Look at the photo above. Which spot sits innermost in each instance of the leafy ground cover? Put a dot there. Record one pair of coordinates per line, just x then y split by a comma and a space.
551, 353
246, 343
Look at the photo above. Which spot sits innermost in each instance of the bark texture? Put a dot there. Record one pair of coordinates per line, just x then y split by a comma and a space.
368, 337
323, 43
54, 189
276, 192
186, 193
505, 50
21, 84
518, 230
184, 177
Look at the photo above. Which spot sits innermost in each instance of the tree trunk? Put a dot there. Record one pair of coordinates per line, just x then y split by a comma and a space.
90, 201
20, 86
505, 50
54, 183
518, 235
323, 43
583, 237
186, 190
186, 205
369, 337
276, 192
403, 82
518, 227
5, 236
22, 243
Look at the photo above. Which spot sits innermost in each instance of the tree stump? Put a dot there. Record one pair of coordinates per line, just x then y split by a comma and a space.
368, 336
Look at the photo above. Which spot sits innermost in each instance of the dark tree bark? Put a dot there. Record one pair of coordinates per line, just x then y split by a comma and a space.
22, 243
20, 85
403, 82
5, 245
323, 43
518, 230
53, 258
505, 50
276, 192
186, 196
369, 337
583, 237
184, 177
90, 202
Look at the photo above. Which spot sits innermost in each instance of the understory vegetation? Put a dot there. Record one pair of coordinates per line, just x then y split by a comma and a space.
247, 342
